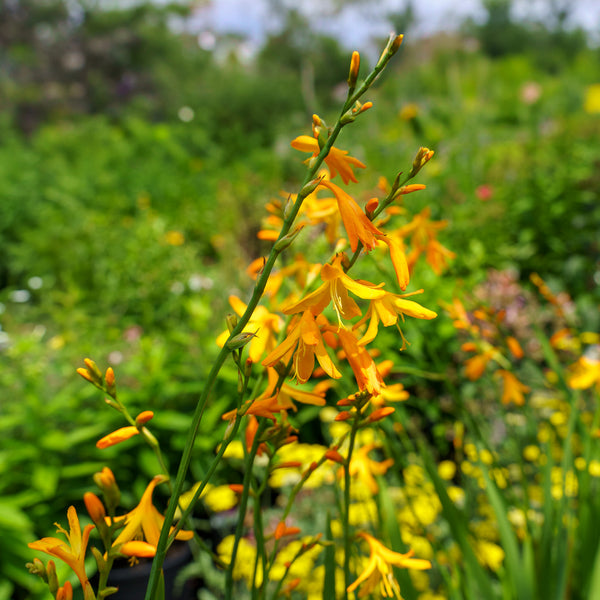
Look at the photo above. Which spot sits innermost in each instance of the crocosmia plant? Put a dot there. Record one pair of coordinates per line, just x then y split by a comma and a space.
304, 343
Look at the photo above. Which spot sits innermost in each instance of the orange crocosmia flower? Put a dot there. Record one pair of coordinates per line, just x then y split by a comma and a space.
514, 390
265, 324
145, 520
304, 342
422, 232
272, 401
356, 223
514, 347
334, 288
338, 161
399, 261
71, 552
365, 469
387, 309
117, 436
584, 373
364, 368
283, 530
475, 366
379, 571
138, 549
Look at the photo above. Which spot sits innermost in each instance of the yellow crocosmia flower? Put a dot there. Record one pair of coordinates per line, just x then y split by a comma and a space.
364, 469
356, 223
584, 374
338, 161
422, 232
217, 498
379, 573
513, 390
362, 364
398, 256
335, 287
245, 560
296, 559
304, 342
265, 324
387, 309
220, 498
71, 552
145, 520
489, 554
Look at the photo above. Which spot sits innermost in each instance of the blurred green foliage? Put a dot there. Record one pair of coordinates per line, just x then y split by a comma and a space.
124, 226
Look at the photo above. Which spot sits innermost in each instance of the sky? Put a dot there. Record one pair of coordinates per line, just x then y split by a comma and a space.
356, 24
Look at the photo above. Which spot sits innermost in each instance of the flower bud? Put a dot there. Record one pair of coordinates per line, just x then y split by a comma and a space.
380, 413
52, 577
37, 567
95, 508
117, 436
232, 322
93, 368
109, 378
287, 240
371, 207
65, 592
240, 340
354, 66
143, 417
343, 416
421, 159
105, 480
335, 456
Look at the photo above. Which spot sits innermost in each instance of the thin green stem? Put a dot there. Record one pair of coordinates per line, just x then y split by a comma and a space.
242, 508
346, 508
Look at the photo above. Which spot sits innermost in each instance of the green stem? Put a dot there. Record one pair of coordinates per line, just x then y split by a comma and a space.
346, 508
242, 508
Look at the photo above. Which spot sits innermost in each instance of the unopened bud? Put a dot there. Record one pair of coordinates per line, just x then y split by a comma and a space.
380, 413
354, 67
421, 159
105, 480
288, 239
335, 456
65, 592
240, 340
109, 378
343, 416
144, 417
92, 368
371, 207
409, 189
117, 436
52, 577
95, 508
37, 567
232, 322
85, 374
310, 187
248, 367
396, 43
